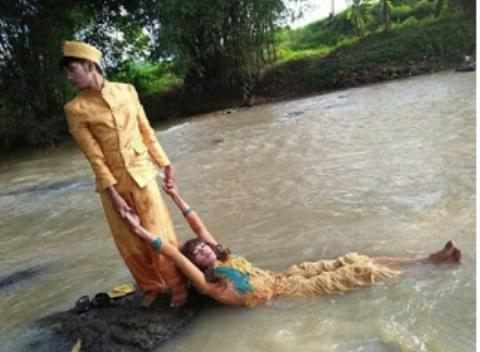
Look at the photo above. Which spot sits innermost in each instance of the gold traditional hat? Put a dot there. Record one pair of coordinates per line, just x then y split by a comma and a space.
82, 51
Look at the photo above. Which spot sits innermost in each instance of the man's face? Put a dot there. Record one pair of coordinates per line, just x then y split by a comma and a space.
78, 73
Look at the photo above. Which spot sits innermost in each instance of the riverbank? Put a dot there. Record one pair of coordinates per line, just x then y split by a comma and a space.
306, 65
407, 51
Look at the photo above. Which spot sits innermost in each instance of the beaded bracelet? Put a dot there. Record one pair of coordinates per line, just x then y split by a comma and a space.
187, 211
157, 244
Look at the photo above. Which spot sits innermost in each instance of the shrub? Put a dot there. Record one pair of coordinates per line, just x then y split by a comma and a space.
401, 13
148, 78
423, 9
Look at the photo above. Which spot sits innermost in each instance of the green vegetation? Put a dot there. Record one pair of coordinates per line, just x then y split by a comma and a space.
415, 33
408, 48
195, 58
148, 78
355, 23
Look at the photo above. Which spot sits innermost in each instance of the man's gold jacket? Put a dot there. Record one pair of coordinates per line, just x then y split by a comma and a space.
112, 130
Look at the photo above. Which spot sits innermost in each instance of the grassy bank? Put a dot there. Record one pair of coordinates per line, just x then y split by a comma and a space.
305, 67
406, 50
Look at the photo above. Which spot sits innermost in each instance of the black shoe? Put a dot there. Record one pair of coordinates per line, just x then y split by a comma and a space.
82, 305
101, 299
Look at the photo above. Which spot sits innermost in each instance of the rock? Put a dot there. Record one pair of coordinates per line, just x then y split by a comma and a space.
294, 113
122, 326
253, 100
249, 102
468, 65
22, 275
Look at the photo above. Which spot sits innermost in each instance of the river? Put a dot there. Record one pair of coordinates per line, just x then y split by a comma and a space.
385, 170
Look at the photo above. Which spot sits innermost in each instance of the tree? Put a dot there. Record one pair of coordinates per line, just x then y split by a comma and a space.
221, 45
218, 46
386, 11
467, 6
32, 88
358, 15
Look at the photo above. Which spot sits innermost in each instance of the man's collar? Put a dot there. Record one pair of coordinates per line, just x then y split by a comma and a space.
106, 87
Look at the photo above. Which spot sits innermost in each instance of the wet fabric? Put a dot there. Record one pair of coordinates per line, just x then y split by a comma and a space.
332, 276
240, 281
307, 279
237, 270
255, 285
152, 271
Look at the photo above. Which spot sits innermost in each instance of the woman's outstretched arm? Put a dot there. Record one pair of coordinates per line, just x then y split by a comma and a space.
195, 222
186, 266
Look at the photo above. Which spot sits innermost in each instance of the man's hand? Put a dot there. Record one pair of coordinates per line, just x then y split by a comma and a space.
123, 208
120, 205
169, 180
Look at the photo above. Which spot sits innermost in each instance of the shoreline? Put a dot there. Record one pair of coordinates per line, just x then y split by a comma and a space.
163, 113
390, 73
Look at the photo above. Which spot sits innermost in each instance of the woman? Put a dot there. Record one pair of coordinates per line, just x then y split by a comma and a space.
231, 279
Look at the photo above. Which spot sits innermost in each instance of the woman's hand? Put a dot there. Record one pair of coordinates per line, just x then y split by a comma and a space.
133, 220
122, 207
169, 180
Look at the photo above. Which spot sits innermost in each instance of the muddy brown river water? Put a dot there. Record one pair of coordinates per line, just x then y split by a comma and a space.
386, 169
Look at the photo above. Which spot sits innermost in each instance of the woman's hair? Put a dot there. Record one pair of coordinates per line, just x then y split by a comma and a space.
67, 60
221, 253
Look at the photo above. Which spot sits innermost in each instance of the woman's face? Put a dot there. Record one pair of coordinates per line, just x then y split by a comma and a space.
203, 255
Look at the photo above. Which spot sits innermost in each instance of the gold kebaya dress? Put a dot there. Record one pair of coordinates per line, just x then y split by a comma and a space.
325, 277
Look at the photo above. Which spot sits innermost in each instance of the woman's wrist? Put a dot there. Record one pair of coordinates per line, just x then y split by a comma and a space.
156, 244
186, 211
184, 207
178, 201
181, 204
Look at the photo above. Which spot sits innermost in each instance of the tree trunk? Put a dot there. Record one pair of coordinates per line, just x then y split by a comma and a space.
439, 7
385, 14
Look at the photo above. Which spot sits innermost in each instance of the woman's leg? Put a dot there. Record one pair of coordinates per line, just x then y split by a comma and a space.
360, 273
450, 254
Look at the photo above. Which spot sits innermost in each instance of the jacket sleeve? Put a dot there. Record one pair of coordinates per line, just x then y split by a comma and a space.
148, 135
89, 146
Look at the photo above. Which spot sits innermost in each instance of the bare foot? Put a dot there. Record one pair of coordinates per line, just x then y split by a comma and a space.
178, 299
148, 299
450, 254
457, 256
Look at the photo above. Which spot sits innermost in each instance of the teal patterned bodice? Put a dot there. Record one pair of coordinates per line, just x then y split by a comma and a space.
236, 271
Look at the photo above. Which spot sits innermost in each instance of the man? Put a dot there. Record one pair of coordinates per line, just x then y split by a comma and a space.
109, 125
